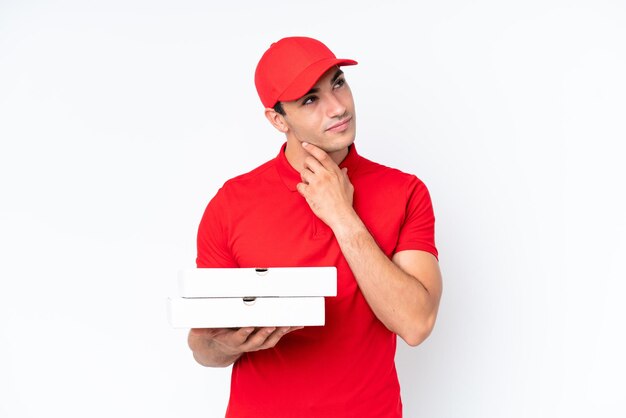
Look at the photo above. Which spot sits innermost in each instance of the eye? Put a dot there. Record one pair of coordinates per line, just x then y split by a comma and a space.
339, 83
309, 100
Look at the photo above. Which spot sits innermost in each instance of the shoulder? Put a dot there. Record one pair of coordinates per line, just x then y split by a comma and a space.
247, 183
240, 192
243, 180
384, 176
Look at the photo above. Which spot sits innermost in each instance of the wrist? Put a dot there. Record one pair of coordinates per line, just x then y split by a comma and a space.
347, 225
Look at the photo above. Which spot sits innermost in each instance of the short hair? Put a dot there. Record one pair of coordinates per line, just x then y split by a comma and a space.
278, 108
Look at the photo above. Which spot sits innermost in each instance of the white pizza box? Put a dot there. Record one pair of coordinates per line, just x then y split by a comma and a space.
245, 312
257, 282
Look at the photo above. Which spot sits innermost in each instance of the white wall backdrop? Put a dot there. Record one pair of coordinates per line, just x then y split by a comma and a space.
120, 119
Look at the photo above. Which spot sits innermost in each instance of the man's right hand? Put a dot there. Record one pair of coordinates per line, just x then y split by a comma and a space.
221, 347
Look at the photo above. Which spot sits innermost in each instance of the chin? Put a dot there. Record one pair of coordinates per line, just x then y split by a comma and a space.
337, 144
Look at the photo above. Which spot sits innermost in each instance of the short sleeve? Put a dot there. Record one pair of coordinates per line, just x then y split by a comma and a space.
213, 248
418, 230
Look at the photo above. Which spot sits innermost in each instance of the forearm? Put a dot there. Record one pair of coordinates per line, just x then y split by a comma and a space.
399, 300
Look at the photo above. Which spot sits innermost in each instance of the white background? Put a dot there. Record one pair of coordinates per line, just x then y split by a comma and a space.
120, 119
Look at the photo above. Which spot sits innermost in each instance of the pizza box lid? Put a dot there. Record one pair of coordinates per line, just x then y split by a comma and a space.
257, 282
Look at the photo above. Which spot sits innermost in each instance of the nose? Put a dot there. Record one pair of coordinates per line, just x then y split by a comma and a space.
335, 107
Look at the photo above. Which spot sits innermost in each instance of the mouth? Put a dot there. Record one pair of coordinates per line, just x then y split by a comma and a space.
340, 126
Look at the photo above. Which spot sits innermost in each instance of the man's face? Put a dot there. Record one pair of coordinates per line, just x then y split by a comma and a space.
325, 115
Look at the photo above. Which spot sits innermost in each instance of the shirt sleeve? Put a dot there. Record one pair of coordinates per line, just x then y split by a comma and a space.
418, 230
213, 248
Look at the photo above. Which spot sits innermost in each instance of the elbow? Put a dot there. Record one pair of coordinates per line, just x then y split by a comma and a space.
415, 338
419, 331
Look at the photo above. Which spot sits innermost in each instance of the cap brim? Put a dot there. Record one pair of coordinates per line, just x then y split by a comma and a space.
307, 79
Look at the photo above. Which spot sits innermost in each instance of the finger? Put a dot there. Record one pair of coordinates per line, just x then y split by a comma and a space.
256, 339
320, 155
301, 187
307, 176
312, 164
273, 338
238, 337
232, 339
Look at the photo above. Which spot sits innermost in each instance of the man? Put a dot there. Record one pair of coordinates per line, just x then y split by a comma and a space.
319, 203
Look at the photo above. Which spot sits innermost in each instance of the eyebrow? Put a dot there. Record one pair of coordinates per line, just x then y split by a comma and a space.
335, 77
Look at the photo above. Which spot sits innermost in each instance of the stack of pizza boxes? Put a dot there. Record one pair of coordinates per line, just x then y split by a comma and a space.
252, 297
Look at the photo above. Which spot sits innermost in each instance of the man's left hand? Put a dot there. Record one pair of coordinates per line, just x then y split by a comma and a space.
326, 187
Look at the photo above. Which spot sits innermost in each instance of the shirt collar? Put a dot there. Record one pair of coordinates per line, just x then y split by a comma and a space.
291, 177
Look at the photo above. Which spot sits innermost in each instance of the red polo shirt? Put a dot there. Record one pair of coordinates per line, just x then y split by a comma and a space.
345, 368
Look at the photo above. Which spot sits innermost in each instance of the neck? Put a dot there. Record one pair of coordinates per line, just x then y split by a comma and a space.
295, 154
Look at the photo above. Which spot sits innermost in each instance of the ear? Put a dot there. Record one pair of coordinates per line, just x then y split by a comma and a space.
276, 119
